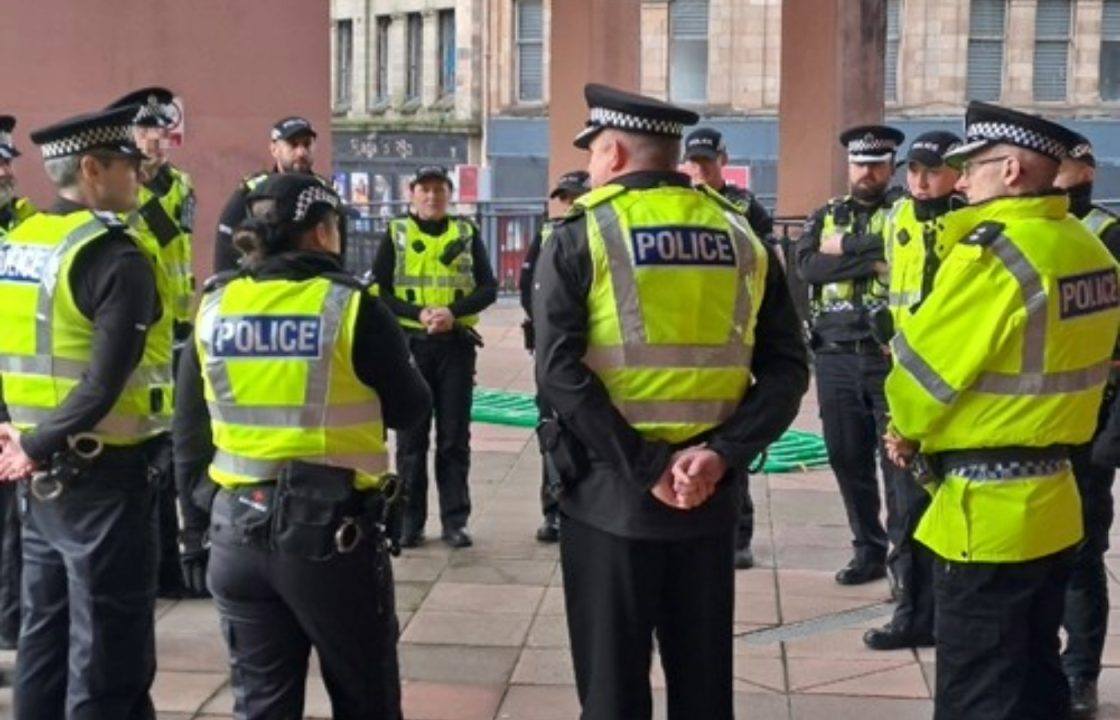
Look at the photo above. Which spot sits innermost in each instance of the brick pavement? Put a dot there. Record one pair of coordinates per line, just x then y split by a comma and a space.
483, 632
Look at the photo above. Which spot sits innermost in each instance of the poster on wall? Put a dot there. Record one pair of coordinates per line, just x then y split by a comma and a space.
339, 182
359, 188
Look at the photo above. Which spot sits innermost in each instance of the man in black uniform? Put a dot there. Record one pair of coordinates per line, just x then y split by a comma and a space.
292, 148
87, 641
1086, 613
13, 211
705, 155
840, 255
435, 276
326, 585
568, 188
650, 471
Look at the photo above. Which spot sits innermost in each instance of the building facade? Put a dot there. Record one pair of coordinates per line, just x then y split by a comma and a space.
1056, 57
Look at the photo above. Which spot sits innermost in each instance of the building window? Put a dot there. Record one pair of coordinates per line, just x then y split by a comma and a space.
1051, 49
890, 61
343, 62
987, 20
447, 53
381, 72
1110, 51
415, 45
688, 51
530, 50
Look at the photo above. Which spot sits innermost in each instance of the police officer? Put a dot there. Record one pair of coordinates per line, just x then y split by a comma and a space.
164, 220
298, 370
84, 388
840, 255
568, 189
705, 155
1086, 613
13, 211
647, 302
434, 275
914, 249
292, 146
999, 371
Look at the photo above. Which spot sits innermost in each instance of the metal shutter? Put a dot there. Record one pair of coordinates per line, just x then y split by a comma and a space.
985, 49
890, 62
688, 19
1051, 49
530, 50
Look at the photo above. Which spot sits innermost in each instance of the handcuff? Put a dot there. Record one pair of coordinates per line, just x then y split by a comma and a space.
349, 532
48, 485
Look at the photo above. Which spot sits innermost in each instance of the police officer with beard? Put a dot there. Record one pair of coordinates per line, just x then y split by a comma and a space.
292, 146
297, 371
840, 255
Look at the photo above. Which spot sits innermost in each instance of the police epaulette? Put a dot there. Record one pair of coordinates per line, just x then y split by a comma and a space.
984, 233
110, 220
726, 203
250, 181
346, 279
218, 280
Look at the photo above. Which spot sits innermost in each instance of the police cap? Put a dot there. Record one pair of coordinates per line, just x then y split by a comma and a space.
156, 107
987, 125
7, 149
291, 127
620, 110
871, 143
704, 143
430, 172
1082, 151
930, 148
108, 131
572, 183
286, 198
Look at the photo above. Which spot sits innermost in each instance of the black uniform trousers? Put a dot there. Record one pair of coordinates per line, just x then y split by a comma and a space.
744, 529
87, 640
911, 562
447, 365
997, 640
550, 480
854, 417
10, 563
619, 592
169, 575
275, 607
1086, 614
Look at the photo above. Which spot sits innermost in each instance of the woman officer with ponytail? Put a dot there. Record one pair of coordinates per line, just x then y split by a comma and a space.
284, 398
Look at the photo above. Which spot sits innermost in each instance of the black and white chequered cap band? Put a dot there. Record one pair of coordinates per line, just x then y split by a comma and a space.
1017, 135
1076, 152
87, 139
311, 196
871, 145
5, 138
605, 118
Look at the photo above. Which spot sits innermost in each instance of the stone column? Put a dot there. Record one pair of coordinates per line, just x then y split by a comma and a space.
1085, 63
429, 58
655, 48
832, 77
591, 41
398, 58
1018, 68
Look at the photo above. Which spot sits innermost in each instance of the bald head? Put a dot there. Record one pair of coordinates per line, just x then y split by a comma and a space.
615, 153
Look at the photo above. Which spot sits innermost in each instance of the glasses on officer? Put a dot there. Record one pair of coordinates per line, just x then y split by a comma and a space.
969, 165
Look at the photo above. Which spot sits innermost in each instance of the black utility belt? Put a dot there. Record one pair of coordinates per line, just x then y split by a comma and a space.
847, 347
953, 459
311, 511
85, 451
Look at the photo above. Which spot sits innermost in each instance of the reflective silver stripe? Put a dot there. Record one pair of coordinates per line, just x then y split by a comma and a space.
1052, 383
216, 370
112, 424
296, 416
677, 411
371, 463
1097, 220
604, 357
745, 262
398, 231
926, 376
316, 387
1034, 299
903, 299
457, 282
44, 311
623, 282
